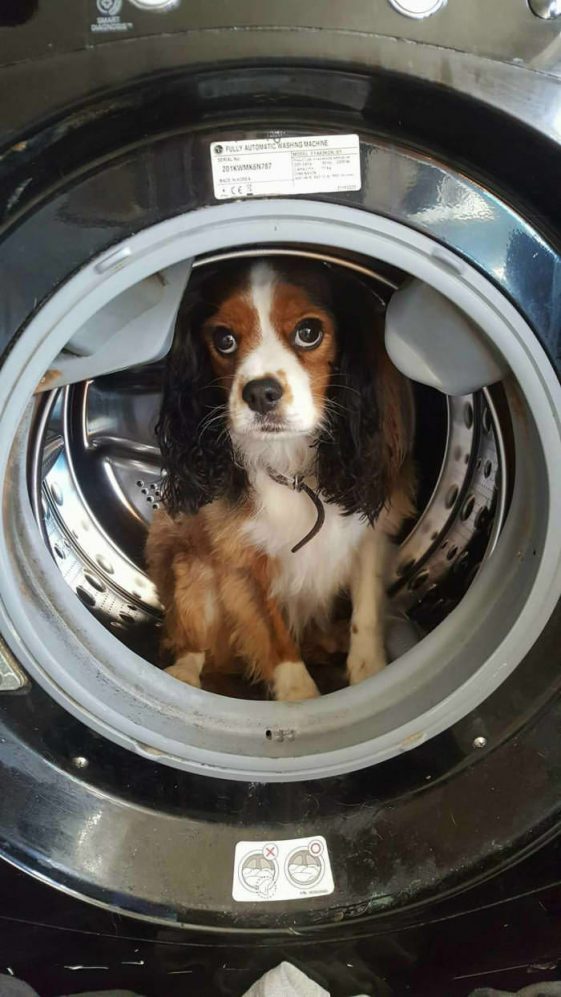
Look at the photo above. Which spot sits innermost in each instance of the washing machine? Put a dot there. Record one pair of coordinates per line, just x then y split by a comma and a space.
416, 145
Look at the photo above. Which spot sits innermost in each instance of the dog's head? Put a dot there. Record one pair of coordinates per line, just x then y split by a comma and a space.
272, 352
272, 343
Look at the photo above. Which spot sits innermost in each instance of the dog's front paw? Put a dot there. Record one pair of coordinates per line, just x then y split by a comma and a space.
366, 658
292, 682
188, 668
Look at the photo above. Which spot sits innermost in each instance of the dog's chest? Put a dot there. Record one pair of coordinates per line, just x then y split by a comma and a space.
307, 581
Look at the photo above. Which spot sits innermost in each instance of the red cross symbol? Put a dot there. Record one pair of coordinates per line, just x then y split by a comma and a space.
270, 851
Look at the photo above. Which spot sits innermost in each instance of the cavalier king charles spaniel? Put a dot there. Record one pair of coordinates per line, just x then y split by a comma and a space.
285, 434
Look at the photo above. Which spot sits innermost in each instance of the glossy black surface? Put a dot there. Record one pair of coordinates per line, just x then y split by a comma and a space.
506, 934
501, 31
173, 176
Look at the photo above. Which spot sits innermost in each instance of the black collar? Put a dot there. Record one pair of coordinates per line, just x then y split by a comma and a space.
297, 484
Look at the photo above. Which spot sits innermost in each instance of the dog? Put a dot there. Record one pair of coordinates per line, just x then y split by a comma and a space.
285, 435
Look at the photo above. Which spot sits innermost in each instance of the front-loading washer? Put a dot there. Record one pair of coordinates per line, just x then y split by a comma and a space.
119, 786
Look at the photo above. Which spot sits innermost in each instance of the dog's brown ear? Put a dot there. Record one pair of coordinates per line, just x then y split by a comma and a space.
364, 445
197, 456
398, 415
398, 432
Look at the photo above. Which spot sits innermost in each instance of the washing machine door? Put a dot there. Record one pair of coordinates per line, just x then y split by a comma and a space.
183, 805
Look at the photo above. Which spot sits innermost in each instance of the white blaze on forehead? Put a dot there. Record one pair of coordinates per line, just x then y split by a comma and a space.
271, 355
261, 288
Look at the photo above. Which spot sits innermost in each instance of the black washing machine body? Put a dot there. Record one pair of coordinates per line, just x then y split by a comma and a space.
107, 117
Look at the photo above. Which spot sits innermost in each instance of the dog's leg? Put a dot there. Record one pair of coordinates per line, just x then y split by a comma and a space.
260, 636
367, 654
190, 619
292, 682
188, 668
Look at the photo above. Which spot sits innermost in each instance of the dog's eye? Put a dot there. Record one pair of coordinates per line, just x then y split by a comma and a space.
308, 333
224, 340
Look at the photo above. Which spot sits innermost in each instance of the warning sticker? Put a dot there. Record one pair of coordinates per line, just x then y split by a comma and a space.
282, 870
312, 164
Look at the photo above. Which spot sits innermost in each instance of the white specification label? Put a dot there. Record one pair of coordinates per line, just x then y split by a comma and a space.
312, 164
282, 870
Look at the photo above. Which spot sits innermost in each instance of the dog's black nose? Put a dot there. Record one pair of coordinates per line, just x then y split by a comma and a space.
262, 395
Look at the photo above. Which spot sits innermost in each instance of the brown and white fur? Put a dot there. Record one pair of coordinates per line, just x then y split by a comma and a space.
338, 414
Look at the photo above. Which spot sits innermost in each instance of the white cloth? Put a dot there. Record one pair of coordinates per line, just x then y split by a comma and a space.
287, 981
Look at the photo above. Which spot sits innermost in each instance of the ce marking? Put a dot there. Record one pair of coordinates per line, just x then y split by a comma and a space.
238, 190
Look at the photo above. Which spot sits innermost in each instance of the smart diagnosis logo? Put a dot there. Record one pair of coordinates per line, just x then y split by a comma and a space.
109, 7
109, 17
